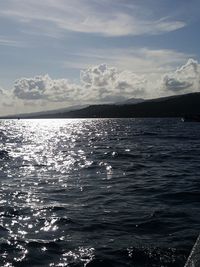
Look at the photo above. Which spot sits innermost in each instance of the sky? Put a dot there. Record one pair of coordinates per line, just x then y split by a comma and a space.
60, 53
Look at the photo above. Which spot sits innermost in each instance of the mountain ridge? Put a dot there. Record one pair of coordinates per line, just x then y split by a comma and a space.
172, 106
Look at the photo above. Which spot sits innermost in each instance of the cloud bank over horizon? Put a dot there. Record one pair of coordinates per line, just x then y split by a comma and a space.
98, 84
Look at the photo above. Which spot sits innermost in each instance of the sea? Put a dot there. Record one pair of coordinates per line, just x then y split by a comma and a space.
98, 192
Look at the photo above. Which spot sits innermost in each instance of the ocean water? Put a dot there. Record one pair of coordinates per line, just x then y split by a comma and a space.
98, 192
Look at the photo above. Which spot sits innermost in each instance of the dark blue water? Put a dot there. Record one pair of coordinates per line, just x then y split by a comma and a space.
109, 192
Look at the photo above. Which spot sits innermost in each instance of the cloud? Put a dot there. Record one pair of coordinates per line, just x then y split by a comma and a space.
9, 42
45, 88
5, 100
98, 84
103, 83
173, 84
138, 60
97, 17
185, 79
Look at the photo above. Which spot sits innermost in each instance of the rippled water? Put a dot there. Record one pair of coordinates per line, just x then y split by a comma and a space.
109, 192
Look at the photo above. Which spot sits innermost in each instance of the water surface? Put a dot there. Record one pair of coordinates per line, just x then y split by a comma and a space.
98, 192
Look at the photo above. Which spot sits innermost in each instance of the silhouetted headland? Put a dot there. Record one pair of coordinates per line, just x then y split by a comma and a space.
174, 106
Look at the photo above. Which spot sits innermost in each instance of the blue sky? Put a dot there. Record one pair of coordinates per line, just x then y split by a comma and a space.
57, 53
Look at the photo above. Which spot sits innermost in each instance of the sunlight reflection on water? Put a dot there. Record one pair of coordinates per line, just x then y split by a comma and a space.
75, 190
43, 157
49, 145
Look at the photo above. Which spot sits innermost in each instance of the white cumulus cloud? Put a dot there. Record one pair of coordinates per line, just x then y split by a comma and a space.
103, 83
45, 88
185, 79
98, 84
6, 102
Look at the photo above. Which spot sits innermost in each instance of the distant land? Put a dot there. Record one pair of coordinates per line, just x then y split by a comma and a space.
131, 101
173, 106
47, 112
